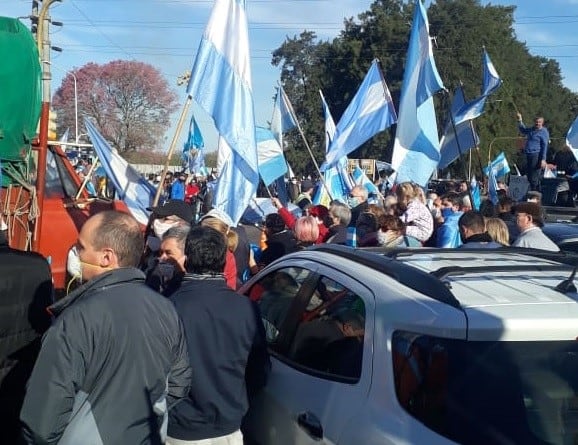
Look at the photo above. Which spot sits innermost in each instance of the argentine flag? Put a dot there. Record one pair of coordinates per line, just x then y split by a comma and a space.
370, 112
416, 150
271, 159
491, 82
221, 84
499, 166
130, 186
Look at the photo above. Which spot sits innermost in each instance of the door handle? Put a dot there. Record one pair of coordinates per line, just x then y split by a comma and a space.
311, 424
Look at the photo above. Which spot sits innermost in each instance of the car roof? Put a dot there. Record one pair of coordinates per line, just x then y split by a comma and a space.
465, 278
561, 233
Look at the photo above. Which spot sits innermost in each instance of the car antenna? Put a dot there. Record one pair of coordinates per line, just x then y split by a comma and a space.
568, 284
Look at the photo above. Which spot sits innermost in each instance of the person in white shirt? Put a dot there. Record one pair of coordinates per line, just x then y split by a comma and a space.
529, 221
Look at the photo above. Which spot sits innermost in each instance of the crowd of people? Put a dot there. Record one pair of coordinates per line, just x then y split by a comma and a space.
154, 344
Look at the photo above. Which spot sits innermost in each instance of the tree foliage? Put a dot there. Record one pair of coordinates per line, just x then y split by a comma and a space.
532, 84
130, 102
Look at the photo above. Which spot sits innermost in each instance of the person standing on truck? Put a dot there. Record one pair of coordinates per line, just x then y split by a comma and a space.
536, 149
115, 360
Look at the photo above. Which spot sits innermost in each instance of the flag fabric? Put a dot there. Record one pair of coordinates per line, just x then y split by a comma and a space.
336, 178
270, 156
451, 147
284, 118
499, 166
416, 150
221, 84
491, 82
193, 148
370, 111
476, 193
493, 187
572, 137
361, 178
130, 186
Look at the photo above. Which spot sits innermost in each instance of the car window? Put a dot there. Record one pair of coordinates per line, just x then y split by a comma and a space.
472, 392
330, 332
274, 294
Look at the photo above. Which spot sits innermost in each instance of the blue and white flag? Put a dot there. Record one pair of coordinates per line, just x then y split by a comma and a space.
572, 138
499, 166
493, 187
361, 178
130, 186
284, 118
336, 178
416, 150
271, 159
370, 112
491, 82
193, 155
467, 138
221, 84
476, 193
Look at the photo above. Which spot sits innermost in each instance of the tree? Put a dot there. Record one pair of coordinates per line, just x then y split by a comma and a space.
130, 102
461, 28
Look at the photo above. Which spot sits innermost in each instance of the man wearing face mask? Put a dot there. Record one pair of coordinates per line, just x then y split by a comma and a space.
172, 259
173, 213
448, 234
115, 360
357, 202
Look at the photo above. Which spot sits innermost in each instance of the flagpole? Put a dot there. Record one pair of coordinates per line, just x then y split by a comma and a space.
460, 149
172, 149
321, 177
86, 179
292, 111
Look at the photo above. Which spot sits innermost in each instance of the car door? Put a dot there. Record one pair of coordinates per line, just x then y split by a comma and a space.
321, 363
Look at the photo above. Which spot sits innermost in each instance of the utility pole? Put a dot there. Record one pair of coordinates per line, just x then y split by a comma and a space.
43, 43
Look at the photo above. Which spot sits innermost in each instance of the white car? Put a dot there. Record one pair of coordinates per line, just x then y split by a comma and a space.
417, 347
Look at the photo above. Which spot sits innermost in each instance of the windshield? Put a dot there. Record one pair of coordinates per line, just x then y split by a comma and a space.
489, 392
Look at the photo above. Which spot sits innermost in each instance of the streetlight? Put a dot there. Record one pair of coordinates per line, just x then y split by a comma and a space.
497, 139
75, 98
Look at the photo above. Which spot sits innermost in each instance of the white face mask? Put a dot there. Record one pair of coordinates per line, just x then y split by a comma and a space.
161, 227
73, 263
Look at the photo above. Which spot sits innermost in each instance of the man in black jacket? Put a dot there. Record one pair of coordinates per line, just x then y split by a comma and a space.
226, 342
25, 293
115, 360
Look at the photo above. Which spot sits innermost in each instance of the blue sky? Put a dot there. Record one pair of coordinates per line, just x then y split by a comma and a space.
166, 34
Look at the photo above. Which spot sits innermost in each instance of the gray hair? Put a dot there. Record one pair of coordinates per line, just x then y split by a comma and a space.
179, 233
362, 191
340, 211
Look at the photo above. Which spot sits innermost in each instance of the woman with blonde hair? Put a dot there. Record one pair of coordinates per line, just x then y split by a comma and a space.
498, 230
414, 213
222, 223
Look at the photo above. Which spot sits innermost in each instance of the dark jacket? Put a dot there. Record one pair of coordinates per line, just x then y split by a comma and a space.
226, 342
481, 241
25, 293
112, 363
278, 245
337, 234
356, 211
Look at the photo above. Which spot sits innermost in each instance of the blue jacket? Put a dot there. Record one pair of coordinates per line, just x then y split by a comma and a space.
228, 353
537, 140
449, 232
178, 190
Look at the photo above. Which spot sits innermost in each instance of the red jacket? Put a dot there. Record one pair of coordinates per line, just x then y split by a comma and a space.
289, 220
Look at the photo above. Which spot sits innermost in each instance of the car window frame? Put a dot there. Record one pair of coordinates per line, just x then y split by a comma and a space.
369, 301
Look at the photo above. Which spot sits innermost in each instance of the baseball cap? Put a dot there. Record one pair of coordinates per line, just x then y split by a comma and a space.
306, 184
174, 207
220, 215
